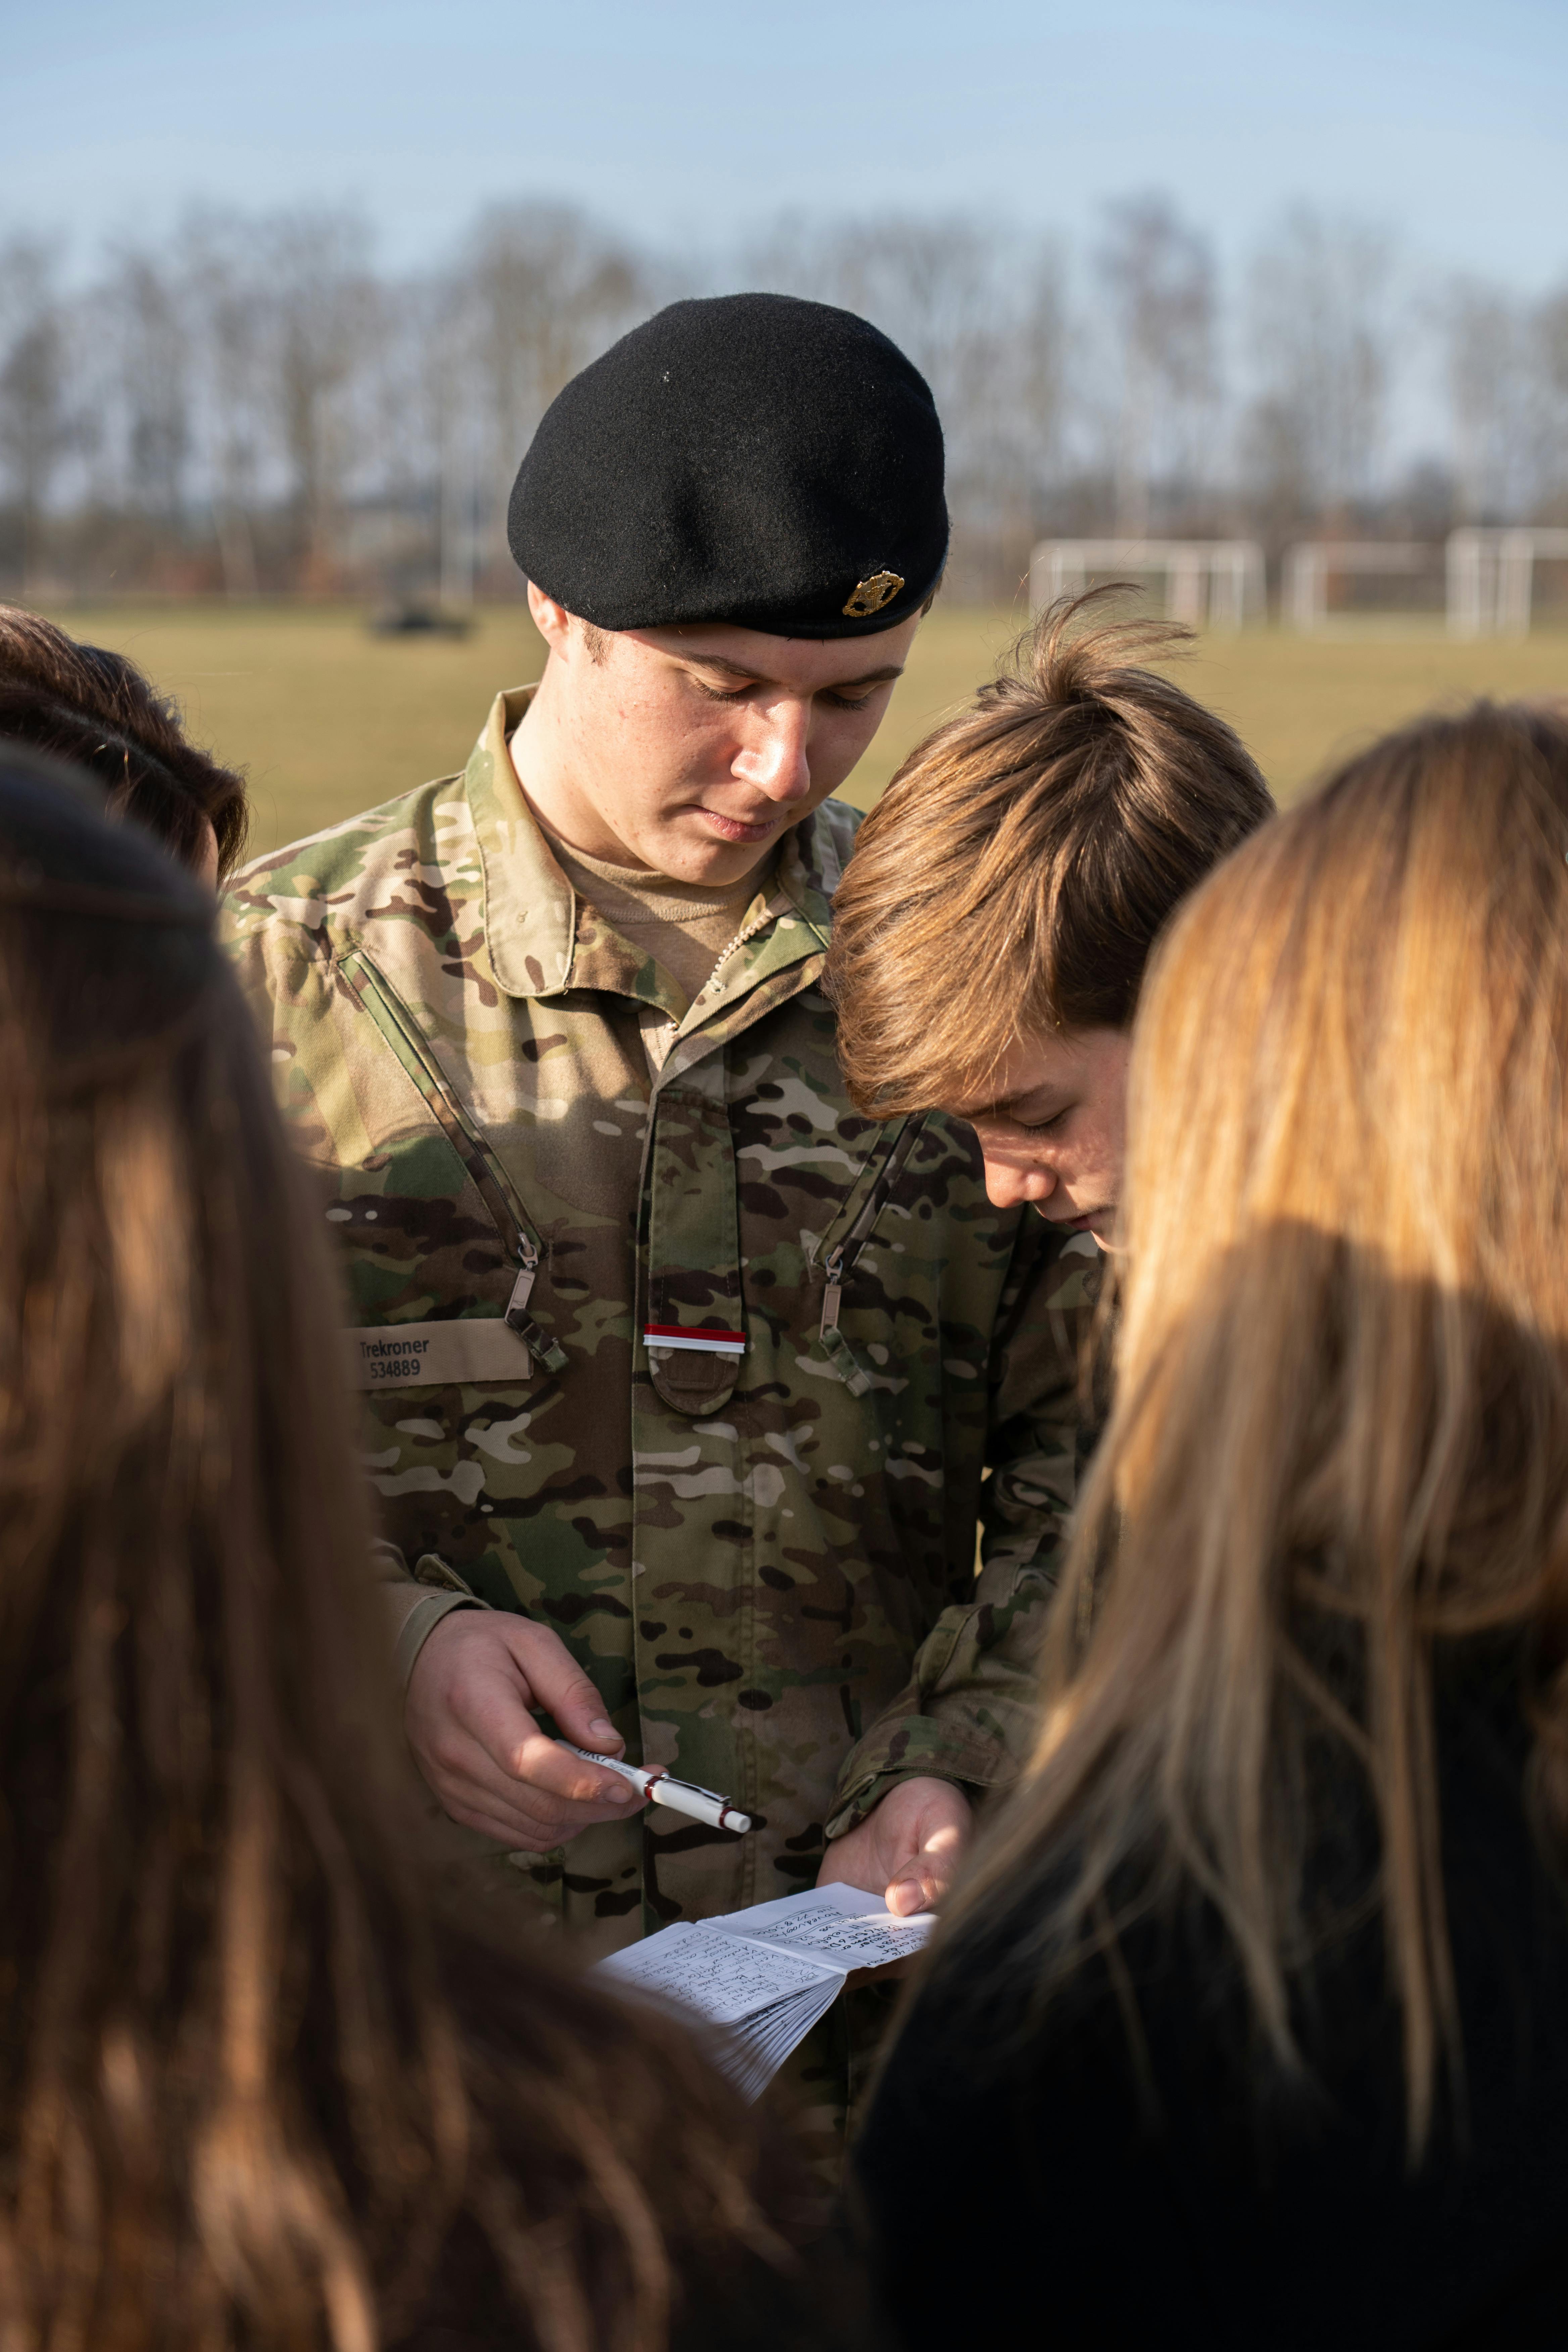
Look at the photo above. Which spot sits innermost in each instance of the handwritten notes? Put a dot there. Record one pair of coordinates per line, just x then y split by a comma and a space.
762, 1978
726, 1978
823, 1924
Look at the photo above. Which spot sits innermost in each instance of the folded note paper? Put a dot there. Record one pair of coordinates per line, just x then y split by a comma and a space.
761, 1978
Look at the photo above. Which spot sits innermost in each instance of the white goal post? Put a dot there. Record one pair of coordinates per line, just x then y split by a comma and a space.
1216, 581
1491, 578
1312, 564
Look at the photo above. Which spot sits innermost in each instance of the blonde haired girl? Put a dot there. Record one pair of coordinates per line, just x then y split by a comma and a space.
1253, 2016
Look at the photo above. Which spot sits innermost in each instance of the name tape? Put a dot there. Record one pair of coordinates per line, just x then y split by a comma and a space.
481, 1349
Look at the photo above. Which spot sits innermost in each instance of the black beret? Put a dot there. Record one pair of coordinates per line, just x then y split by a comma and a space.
749, 458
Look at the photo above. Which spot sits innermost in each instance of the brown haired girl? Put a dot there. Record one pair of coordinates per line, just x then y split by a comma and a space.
252, 2091
1253, 2019
88, 705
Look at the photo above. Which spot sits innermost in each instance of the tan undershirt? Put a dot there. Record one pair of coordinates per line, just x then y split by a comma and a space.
684, 926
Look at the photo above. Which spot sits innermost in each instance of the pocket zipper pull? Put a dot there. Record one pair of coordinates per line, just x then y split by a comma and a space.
545, 1351
833, 1295
522, 1288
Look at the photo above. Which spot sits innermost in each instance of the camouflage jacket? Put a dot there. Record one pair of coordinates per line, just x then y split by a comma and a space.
766, 1559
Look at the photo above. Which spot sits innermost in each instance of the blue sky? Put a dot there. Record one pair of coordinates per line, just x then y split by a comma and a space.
690, 123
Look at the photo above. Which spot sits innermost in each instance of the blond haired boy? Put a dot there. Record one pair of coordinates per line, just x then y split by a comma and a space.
991, 932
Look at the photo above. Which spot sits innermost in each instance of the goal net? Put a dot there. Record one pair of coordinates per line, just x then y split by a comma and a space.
1213, 582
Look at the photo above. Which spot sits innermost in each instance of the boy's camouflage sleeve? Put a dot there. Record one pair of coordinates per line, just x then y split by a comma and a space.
969, 1711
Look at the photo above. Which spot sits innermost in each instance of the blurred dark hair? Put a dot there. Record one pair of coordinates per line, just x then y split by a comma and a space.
258, 2084
86, 704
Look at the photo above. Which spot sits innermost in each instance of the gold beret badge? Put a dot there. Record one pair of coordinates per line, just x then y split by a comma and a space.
870, 595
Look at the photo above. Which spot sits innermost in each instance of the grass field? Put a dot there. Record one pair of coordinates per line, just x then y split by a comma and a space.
329, 719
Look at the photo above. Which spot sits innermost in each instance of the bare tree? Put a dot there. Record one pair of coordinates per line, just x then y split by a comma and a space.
419, 409
545, 290
1321, 320
1158, 274
1507, 383
1044, 347
982, 314
930, 284
323, 313
141, 307
219, 266
37, 426
1547, 346
351, 429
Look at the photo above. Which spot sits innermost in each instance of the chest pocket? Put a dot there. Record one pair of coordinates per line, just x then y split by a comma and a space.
477, 1165
694, 1324
694, 1327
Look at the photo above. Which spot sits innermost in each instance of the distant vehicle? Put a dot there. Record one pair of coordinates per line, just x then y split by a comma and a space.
412, 619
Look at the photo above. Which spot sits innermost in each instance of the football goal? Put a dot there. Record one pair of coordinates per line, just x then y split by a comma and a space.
1491, 578
1312, 564
1213, 581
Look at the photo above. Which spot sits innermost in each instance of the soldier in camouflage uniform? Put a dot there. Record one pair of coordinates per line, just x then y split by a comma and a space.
699, 1380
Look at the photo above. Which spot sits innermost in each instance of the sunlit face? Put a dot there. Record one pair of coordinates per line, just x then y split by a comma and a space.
691, 751
1054, 1133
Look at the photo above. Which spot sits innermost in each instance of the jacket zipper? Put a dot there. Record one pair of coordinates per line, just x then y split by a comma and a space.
518, 1236
839, 1261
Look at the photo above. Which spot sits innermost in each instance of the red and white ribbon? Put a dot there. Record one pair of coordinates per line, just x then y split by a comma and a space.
713, 1343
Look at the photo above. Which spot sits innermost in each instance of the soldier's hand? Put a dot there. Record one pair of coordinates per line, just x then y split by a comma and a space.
468, 1715
908, 1847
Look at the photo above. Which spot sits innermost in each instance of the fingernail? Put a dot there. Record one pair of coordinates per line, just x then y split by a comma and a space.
619, 1792
601, 1729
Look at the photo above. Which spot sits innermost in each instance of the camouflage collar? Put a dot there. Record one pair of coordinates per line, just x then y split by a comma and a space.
527, 901
541, 942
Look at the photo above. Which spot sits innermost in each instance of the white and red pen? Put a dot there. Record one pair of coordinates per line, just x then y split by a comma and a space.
681, 1796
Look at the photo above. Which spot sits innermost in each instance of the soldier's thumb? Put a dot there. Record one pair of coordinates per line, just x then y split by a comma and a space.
562, 1691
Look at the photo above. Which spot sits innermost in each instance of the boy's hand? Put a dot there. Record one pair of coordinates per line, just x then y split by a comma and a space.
906, 1849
